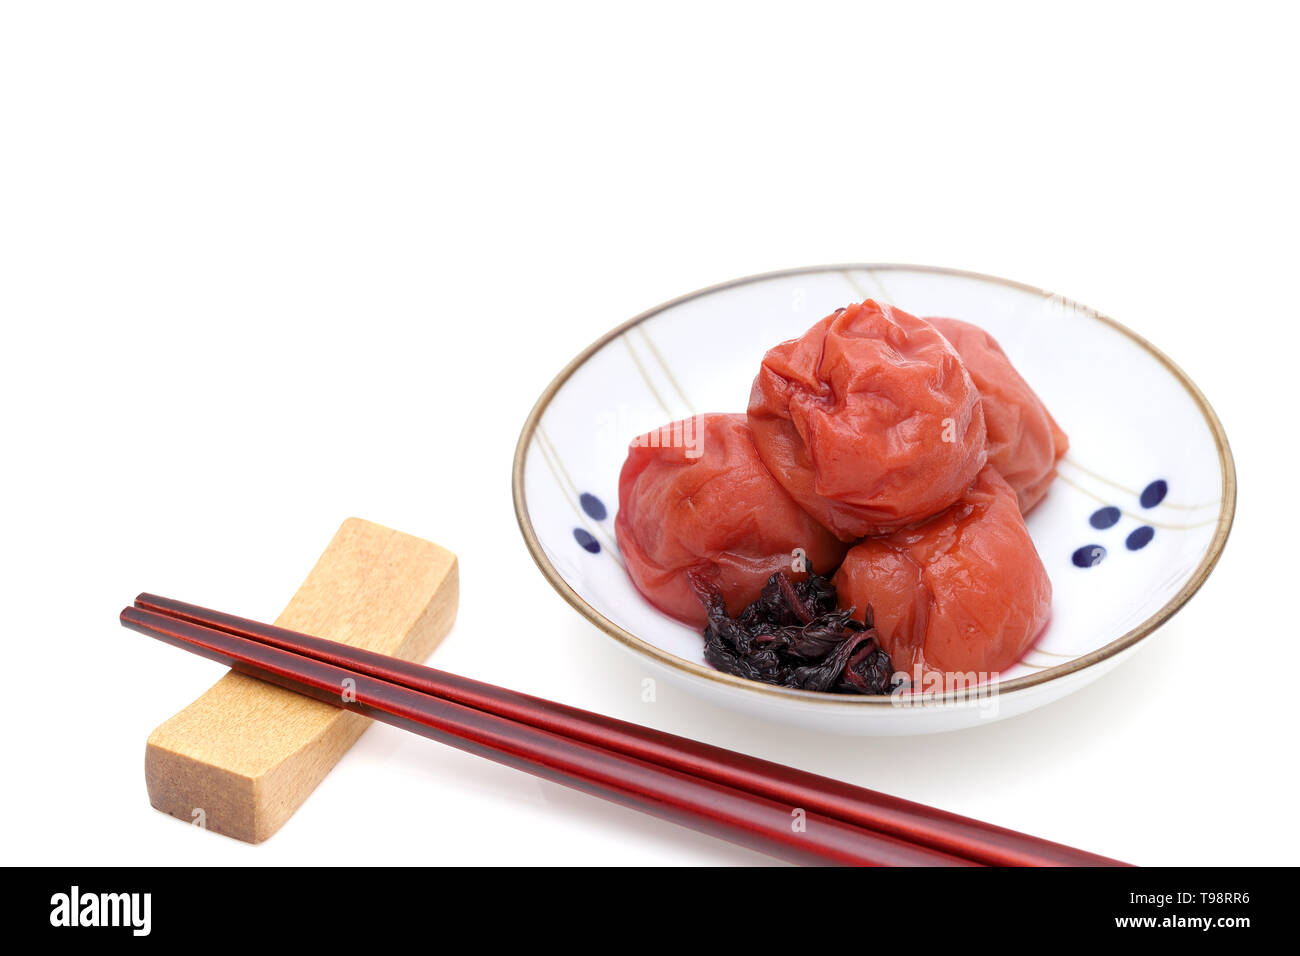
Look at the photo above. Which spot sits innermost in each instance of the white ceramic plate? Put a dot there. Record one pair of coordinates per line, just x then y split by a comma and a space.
1128, 532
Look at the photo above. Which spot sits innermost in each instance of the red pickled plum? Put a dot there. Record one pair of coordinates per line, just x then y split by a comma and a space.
962, 593
869, 420
1024, 441
694, 496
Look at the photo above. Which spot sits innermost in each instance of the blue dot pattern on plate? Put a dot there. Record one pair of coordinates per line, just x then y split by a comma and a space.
593, 506
1154, 493
1139, 538
1107, 516
1104, 518
584, 538
1090, 555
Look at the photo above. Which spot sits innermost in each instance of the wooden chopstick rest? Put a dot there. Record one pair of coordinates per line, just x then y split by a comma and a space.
244, 756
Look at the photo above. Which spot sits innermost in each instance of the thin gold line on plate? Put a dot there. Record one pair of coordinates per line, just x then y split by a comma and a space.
570, 493
1141, 519
1136, 494
668, 372
568, 486
645, 376
880, 284
857, 286
862, 292
1064, 657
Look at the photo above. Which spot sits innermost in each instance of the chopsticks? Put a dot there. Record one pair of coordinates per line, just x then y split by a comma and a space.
740, 798
711, 808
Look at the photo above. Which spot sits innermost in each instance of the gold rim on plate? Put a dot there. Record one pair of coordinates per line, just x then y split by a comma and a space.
1223, 525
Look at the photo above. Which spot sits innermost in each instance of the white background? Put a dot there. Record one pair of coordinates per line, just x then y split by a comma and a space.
266, 265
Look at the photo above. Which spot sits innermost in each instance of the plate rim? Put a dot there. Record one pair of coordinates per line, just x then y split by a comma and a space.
1223, 525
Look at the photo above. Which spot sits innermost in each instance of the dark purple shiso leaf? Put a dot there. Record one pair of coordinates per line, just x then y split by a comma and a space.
794, 636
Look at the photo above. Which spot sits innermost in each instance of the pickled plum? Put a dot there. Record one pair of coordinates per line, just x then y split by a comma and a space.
962, 593
1024, 441
869, 420
708, 505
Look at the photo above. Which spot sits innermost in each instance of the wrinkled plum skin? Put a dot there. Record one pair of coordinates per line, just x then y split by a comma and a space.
869, 420
963, 592
1024, 441
709, 505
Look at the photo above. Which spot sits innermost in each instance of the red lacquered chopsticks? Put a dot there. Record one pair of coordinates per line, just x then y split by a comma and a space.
912, 824
734, 815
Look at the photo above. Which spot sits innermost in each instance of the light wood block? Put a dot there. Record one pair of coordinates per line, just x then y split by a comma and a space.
247, 754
